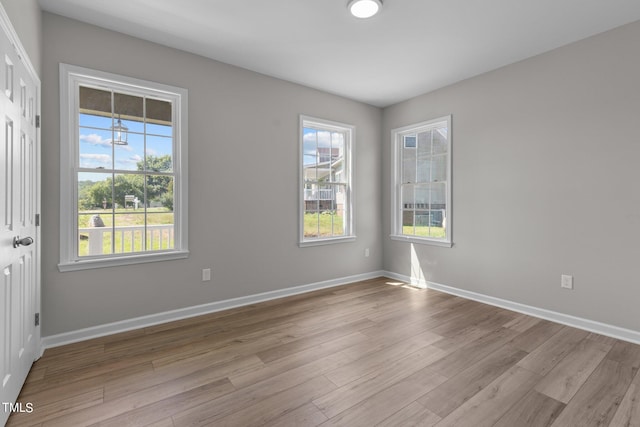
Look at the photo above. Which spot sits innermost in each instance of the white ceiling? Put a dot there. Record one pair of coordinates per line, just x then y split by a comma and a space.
411, 47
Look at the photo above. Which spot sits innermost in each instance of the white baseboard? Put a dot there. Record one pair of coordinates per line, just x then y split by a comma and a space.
183, 313
565, 319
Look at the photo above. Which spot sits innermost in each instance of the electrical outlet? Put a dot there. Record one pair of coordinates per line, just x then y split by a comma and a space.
206, 274
366, 253
566, 281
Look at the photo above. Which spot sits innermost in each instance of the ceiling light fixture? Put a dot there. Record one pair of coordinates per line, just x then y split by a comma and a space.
364, 8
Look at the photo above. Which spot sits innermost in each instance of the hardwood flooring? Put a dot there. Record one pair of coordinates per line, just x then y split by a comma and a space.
373, 353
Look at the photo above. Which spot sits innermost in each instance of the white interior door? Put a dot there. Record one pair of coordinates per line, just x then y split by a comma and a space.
19, 292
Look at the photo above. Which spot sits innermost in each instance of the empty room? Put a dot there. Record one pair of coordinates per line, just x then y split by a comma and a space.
320, 212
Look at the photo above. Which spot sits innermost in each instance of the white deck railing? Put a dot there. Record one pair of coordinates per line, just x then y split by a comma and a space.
318, 194
130, 237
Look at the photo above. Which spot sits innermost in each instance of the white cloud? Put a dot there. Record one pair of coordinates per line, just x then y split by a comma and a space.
101, 158
95, 139
90, 160
324, 138
131, 161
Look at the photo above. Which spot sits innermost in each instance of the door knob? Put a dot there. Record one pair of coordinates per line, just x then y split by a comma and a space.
25, 241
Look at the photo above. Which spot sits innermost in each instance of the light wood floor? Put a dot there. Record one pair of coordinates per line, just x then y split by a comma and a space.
370, 353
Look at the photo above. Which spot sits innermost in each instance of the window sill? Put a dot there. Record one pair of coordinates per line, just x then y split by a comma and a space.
330, 241
422, 241
121, 261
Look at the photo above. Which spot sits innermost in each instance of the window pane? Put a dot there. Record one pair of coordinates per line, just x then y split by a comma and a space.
339, 209
309, 154
408, 196
94, 149
409, 165
95, 101
337, 157
407, 222
410, 141
438, 196
127, 189
130, 156
424, 170
159, 117
424, 143
421, 196
439, 168
95, 121
94, 192
422, 224
95, 234
160, 192
129, 109
440, 140
128, 230
311, 218
160, 230
424, 157
159, 154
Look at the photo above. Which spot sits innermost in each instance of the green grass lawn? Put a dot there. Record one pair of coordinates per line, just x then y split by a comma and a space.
130, 241
327, 227
424, 231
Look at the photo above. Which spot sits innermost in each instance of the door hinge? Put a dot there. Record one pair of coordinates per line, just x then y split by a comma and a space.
37, 220
37, 319
37, 121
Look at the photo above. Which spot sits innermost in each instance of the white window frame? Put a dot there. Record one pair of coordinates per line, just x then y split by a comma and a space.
350, 132
71, 77
397, 144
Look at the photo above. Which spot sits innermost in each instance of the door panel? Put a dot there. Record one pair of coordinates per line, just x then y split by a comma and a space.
18, 206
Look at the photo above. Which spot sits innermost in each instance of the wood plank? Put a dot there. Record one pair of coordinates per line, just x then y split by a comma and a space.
522, 323
545, 357
368, 385
628, 413
306, 415
564, 380
536, 335
459, 360
296, 360
261, 411
164, 409
534, 410
597, 401
148, 396
42, 412
412, 415
114, 389
460, 388
388, 401
486, 407
360, 366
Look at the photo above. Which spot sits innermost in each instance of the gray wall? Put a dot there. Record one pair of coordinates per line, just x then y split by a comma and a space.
243, 139
26, 18
545, 181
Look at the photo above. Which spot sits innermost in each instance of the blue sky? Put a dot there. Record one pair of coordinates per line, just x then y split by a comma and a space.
309, 147
96, 150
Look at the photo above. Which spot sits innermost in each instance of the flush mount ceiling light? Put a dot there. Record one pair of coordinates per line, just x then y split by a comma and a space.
364, 8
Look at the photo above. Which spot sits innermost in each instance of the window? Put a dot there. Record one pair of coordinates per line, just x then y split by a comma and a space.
421, 188
325, 184
123, 170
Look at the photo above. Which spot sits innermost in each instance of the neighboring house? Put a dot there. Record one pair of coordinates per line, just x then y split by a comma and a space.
328, 167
